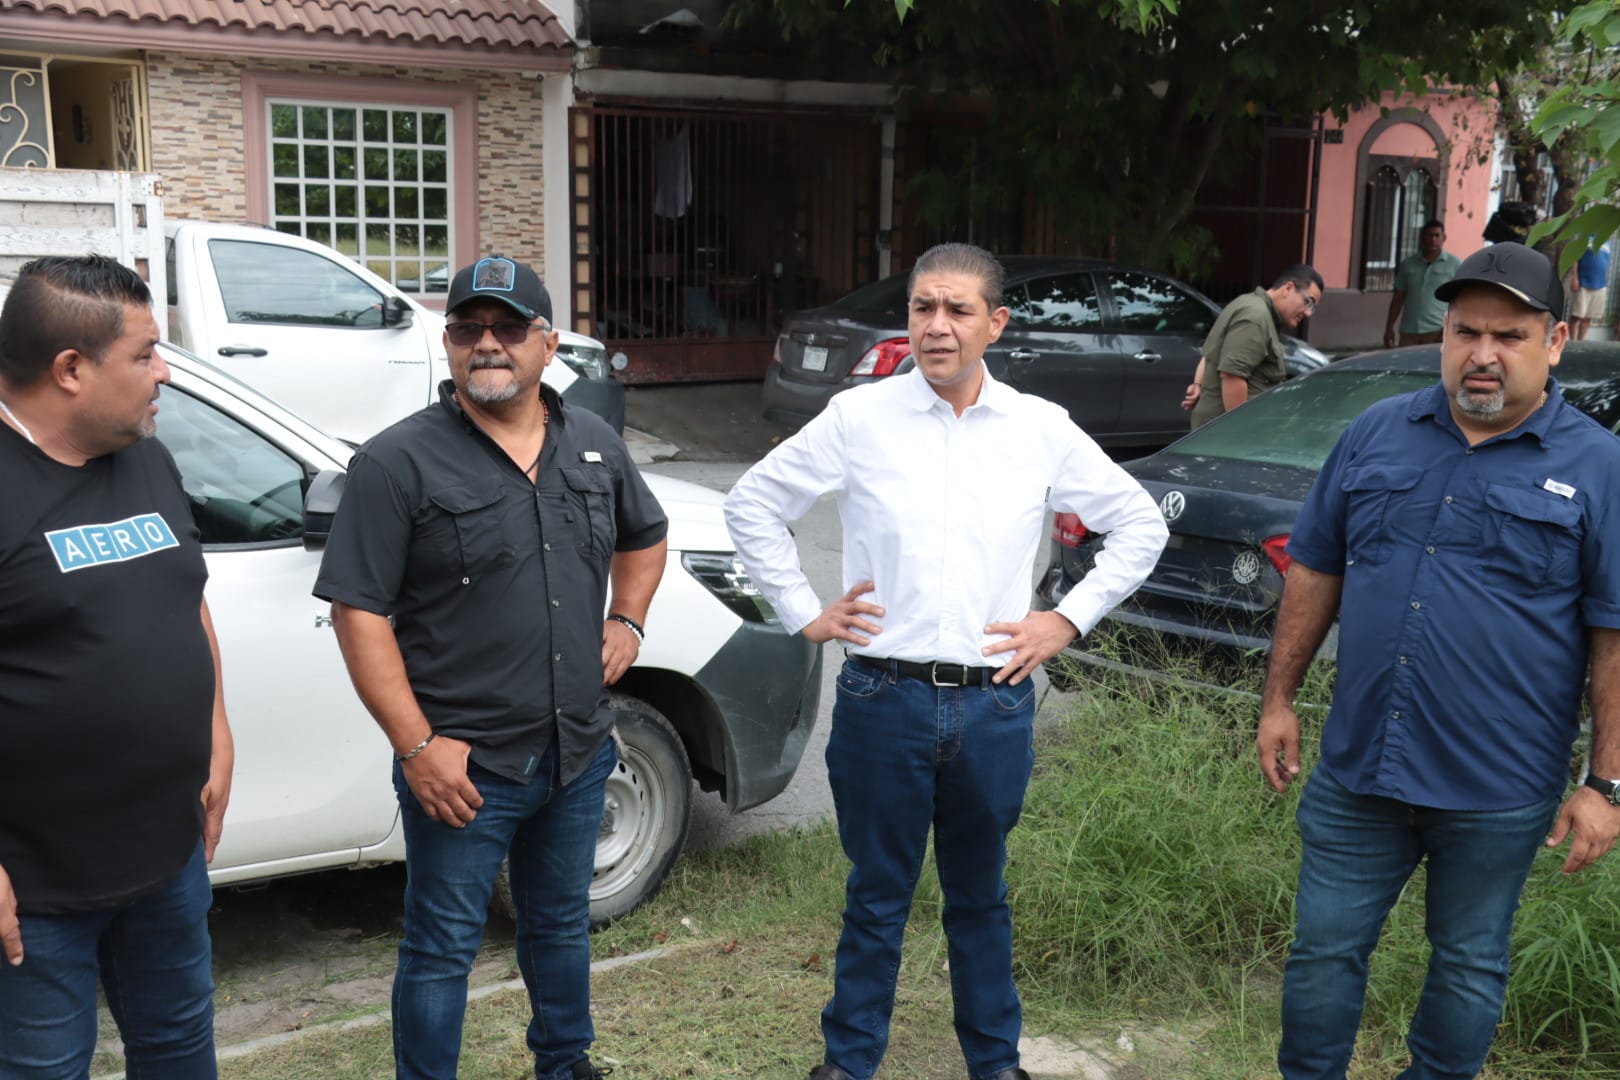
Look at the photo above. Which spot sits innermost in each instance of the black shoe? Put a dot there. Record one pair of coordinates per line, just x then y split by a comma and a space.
1011, 1074
828, 1071
584, 1070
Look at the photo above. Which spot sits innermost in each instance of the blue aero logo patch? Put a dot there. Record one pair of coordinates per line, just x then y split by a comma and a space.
116, 541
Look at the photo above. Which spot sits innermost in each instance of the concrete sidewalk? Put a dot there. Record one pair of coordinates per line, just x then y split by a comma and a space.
718, 421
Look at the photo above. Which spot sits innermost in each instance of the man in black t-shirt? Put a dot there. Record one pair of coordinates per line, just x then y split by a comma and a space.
112, 723
468, 568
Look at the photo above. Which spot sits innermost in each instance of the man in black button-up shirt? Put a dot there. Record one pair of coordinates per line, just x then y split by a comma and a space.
486, 527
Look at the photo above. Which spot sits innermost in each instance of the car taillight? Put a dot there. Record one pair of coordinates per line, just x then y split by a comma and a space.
1068, 530
883, 358
1276, 548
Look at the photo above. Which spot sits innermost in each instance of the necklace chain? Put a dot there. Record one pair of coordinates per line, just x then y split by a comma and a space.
18, 424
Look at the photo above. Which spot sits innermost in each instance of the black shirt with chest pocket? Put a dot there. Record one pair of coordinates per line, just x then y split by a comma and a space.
496, 585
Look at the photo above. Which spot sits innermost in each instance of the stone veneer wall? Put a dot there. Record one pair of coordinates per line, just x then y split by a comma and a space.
195, 105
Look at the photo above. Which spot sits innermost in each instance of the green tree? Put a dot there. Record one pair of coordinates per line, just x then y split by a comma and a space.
1118, 111
1583, 116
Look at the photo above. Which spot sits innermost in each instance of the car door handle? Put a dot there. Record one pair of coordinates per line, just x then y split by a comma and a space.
1023, 355
1147, 357
242, 350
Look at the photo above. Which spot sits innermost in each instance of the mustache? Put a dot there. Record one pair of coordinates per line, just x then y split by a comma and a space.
480, 363
1482, 369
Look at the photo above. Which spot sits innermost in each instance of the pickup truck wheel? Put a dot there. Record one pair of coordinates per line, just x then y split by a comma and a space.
647, 809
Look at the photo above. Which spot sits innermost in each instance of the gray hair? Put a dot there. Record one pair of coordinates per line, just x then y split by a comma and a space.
962, 259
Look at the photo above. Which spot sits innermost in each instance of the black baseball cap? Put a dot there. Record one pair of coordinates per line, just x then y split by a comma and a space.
500, 278
1514, 268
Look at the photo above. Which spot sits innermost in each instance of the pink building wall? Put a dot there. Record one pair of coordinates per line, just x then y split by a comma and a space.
1457, 130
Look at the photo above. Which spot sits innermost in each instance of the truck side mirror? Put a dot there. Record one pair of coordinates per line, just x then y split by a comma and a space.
320, 506
396, 312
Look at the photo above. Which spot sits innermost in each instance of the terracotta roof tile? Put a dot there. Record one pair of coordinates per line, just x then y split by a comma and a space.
499, 23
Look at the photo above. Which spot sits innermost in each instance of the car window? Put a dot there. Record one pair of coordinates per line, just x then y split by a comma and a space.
270, 283
1060, 302
1152, 305
243, 488
886, 297
1298, 422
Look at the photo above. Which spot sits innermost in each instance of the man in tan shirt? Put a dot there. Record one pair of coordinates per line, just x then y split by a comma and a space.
1243, 354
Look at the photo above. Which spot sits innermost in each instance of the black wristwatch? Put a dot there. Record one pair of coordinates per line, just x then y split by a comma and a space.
1609, 789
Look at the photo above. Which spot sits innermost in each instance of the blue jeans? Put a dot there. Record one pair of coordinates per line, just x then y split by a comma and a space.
1359, 852
903, 756
152, 956
549, 833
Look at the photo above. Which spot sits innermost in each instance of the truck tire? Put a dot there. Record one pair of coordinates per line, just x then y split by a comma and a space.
647, 810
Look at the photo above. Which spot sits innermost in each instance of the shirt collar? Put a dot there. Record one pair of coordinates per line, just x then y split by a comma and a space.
921, 396
1271, 305
1436, 403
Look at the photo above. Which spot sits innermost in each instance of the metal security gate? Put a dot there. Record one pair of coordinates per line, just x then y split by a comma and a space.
695, 230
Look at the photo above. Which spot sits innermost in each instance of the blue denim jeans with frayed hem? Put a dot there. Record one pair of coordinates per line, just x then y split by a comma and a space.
1359, 851
153, 958
903, 757
549, 833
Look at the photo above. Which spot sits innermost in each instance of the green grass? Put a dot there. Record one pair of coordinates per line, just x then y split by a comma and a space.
1151, 882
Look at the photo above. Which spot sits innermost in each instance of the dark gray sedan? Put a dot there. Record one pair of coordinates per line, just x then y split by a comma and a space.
1230, 492
1116, 346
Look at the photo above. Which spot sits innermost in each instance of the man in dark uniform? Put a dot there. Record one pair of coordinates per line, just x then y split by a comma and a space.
468, 570
112, 722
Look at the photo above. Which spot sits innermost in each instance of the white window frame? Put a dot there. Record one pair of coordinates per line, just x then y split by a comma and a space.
405, 270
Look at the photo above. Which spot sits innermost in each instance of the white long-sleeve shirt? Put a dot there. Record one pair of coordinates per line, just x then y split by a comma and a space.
943, 513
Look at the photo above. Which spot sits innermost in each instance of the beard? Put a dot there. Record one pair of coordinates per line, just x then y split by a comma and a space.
1480, 406
484, 394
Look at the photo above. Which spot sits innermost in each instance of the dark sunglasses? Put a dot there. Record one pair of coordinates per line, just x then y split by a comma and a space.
464, 335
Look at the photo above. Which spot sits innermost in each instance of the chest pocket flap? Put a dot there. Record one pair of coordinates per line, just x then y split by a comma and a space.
1533, 505
1533, 536
1368, 489
590, 488
467, 535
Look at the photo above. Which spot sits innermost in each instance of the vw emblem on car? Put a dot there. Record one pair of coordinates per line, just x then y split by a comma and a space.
1172, 505
1246, 568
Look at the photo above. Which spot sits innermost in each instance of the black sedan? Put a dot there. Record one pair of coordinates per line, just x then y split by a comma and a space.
1230, 492
1116, 346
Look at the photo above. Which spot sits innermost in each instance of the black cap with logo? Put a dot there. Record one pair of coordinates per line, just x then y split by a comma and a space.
502, 279
1514, 268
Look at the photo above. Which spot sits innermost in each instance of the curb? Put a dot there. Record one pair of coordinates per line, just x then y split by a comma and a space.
380, 1014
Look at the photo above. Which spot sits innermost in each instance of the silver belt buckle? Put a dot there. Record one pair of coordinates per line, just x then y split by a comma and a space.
933, 676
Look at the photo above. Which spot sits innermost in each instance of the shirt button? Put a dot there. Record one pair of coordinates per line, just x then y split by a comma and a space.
1469, 451
1429, 550
1403, 660
1416, 605
546, 546
556, 656
466, 581
1396, 715
1349, 562
556, 603
1448, 499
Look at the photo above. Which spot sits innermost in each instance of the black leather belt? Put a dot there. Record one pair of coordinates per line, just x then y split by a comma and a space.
937, 673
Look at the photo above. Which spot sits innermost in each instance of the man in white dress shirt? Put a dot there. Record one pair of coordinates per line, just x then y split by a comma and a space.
944, 477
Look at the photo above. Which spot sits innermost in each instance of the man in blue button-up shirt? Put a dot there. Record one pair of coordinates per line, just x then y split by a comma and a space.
1464, 535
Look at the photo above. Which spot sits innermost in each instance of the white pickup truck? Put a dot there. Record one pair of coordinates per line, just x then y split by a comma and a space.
326, 337
296, 320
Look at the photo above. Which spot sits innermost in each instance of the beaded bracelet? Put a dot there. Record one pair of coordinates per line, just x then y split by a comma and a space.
635, 627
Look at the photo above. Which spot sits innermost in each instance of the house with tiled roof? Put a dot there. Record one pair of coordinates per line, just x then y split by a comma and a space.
412, 135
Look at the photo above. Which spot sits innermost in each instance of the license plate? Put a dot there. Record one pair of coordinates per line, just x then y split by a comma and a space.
815, 358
